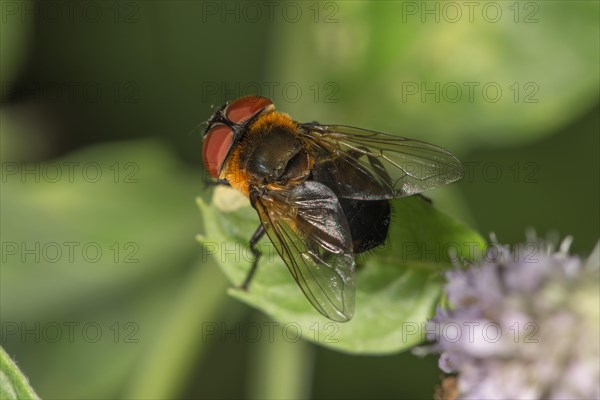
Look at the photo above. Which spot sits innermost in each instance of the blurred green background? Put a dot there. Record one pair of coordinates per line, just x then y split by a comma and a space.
104, 291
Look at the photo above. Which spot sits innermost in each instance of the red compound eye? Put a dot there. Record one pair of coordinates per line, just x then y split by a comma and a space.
215, 148
244, 108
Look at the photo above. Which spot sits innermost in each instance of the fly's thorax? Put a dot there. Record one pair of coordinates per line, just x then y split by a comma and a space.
272, 153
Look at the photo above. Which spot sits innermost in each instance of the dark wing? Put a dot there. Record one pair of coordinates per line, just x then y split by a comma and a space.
367, 165
309, 230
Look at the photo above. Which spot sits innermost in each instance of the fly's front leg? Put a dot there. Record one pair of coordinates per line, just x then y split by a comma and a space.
426, 199
258, 234
218, 182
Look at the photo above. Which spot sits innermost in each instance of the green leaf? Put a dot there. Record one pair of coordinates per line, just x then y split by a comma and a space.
397, 286
13, 384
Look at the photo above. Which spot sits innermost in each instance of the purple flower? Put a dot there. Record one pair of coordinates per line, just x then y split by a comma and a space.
524, 323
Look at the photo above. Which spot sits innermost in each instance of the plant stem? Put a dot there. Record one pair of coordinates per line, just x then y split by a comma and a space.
13, 384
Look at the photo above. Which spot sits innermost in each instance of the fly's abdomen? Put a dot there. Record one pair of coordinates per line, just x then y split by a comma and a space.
369, 222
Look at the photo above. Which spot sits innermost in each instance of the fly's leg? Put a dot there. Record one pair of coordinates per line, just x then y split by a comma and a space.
426, 199
375, 163
218, 182
258, 234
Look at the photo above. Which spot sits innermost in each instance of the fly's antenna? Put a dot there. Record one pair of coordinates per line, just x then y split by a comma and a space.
196, 127
212, 111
